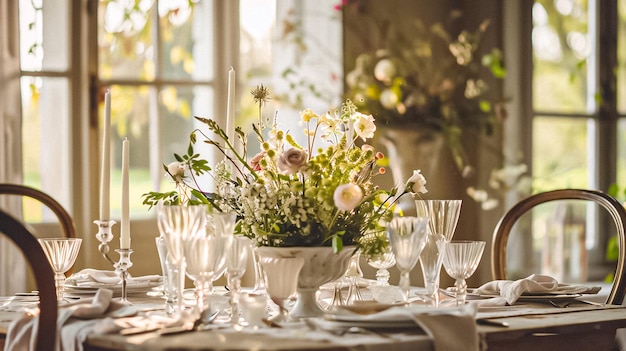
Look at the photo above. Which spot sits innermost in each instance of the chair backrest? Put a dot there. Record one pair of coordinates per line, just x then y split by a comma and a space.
22, 190
612, 205
44, 276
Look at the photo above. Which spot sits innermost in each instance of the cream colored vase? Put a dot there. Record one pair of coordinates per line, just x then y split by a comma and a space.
321, 266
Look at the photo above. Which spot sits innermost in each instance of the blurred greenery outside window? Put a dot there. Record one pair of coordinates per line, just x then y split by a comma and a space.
163, 62
569, 148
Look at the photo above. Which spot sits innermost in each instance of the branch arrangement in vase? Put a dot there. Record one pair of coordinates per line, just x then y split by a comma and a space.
292, 194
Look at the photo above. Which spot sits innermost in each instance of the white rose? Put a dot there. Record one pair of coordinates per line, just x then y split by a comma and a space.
176, 170
347, 196
291, 161
417, 183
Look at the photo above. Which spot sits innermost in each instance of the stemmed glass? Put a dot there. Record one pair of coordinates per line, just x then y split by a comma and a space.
443, 216
205, 256
407, 236
236, 262
281, 282
382, 262
177, 223
61, 253
460, 260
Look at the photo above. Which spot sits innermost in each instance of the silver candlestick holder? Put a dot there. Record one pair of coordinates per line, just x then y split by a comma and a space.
105, 236
121, 267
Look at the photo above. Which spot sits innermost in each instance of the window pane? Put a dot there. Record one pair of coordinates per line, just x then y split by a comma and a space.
154, 135
560, 153
126, 40
561, 235
186, 42
44, 35
561, 45
45, 153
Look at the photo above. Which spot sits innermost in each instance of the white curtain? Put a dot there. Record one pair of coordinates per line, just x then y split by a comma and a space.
12, 265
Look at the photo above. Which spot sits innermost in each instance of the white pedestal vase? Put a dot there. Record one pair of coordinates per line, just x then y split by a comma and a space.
321, 266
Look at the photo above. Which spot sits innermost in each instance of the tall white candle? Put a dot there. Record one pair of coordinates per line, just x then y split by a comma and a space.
230, 109
105, 167
125, 226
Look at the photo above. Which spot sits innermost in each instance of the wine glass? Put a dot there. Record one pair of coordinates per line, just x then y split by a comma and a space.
177, 223
407, 236
460, 260
281, 282
236, 262
443, 216
61, 253
205, 256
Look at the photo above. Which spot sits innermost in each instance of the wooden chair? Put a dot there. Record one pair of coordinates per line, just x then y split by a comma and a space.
22, 190
44, 276
612, 205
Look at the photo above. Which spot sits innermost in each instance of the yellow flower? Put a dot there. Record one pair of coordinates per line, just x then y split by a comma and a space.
307, 115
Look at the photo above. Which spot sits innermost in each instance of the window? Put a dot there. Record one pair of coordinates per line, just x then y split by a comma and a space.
577, 128
164, 62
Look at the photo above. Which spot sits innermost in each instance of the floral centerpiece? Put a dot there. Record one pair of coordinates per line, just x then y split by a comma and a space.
290, 194
416, 75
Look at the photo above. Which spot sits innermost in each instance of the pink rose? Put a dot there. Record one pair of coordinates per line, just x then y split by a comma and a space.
254, 162
291, 161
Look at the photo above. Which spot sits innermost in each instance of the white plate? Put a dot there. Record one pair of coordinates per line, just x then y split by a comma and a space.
541, 297
394, 317
548, 297
367, 307
141, 287
371, 324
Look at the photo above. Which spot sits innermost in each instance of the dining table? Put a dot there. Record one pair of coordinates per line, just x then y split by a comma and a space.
568, 324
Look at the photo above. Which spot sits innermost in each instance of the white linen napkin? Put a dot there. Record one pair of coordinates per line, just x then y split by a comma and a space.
450, 332
534, 284
75, 320
451, 329
93, 277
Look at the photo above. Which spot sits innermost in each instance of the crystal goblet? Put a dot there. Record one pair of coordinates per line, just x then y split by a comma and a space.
61, 253
443, 216
407, 236
205, 256
281, 282
177, 223
460, 260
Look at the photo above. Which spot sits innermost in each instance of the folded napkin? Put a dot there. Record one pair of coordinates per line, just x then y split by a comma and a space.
75, 320
450, 328
91, 277
534, 284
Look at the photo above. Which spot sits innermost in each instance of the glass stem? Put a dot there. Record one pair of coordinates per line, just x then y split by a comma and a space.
235, 291
405, 283
461, 291
59, 283
382, 276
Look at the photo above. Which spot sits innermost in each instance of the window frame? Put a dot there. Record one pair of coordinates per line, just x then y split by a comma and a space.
518, 130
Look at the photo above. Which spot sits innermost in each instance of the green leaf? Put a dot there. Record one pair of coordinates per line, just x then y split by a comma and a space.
337, 244
190, 149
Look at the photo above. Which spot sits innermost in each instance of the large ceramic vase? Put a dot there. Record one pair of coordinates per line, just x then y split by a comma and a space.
423, 148
321, 266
